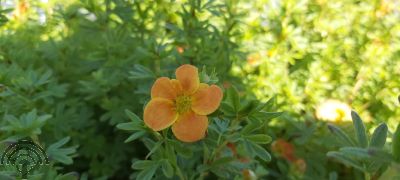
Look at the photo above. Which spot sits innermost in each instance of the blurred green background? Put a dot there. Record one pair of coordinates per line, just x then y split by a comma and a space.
70, 68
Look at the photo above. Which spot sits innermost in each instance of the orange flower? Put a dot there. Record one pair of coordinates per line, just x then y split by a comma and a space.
184, 103
300, 165
285, 149
248, 174
226, 84
232, 147
180, 49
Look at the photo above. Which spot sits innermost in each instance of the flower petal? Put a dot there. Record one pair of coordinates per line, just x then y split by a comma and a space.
163, 88
190, 127
177, 87
206, 99
159, 114
188, 76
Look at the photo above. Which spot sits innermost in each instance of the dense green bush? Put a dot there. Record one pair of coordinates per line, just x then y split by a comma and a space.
73, 73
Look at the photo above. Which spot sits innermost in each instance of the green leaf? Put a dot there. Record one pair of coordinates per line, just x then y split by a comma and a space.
44, 78
261, 152
135, 136
259, 138
136, 124
2, 88
333, 175
6, 176
396, 144
142, 164
149, 143
148, 173
222, 161
267, 106
141, 72
355, 152
130, 126
182, 150
264, 116
379, 155
63, 155
374, 166
68, 176
208, 78
341, 135
233, 99
170, 153
235, 137
59, 143
227, 110
378, 138
391, 173
155, 147
360, 129
27, 124
345, 160
248, 107
251, 127
167, 168
132, 116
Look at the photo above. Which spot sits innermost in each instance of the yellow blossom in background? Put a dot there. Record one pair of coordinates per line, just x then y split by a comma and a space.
21, 9
254, 59
334, 111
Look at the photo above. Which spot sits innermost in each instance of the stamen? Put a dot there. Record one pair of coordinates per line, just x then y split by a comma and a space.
183, 104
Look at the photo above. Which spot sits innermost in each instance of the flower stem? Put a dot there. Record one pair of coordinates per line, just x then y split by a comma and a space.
367, 176
179, 173
223, 144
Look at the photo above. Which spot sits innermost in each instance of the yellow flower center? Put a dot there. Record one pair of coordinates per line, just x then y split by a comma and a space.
183, 104
340, 114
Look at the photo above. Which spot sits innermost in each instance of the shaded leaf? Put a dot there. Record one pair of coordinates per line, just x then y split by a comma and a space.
154, 148
360, 129
142, 164
396, 144
148, 173
341, 135
261, 152
259, 138
378, 138
233, 99
167, 168
379, 155
355, 152
141, 72
130, 126
346, 160
132, 116
135, 136
265, 116
63, 155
